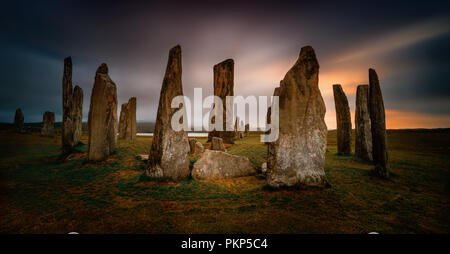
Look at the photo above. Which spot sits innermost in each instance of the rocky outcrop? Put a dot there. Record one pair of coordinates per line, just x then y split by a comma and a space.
127, 123
217, 144
363, 135
72, 110
378, 126
343, 120
218, 165
18, 121
297, 157
169, 153
102, 121
223, 87
48, 124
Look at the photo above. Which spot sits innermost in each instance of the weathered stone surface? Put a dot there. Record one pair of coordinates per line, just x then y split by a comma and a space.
67, 121
363, 134
223, 87
123, 120
378, 126
247, 130
217, 144
343, 120
48, 124
102, 120
77, 114
297, 158
127, 122
219, 165
169, 152
18, 121
276, 92
195, 146
72, 110
264, 168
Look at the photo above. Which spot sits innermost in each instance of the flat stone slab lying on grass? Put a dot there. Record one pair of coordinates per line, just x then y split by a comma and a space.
219, 165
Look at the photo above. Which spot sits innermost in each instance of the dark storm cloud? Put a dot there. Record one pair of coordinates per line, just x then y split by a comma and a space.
264, 38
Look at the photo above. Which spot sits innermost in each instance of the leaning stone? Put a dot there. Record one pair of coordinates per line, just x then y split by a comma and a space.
297, 158
219, 165
343, 120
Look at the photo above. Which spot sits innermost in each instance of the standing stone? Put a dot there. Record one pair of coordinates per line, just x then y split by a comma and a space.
363, 135
102, 121
127, 122
72, 119
297, 158
276, 92
247, 130
378, 126
18, 121
217, 144
169, 153
48, 124
343, 119
223, 87
123, 120
77, 114
195, 146
67, 121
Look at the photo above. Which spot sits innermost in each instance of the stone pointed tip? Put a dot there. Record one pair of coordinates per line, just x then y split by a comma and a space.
308, 52
68, 60
337, 85
176, 49
308, 60
103, 69
373, 74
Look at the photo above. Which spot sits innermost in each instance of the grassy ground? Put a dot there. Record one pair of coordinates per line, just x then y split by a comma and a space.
40, 193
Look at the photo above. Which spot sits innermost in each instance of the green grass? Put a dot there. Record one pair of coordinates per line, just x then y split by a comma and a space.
42, 193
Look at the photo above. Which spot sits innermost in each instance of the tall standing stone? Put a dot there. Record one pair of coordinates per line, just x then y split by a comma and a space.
48, 124
67, 121
127, 122
169, 152
72, 119
297, 158
18, 121
77, 114
223, 87
102, 121
363, 135
378, 125
343, 120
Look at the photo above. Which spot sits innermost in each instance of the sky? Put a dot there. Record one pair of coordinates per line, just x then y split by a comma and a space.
406, 42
